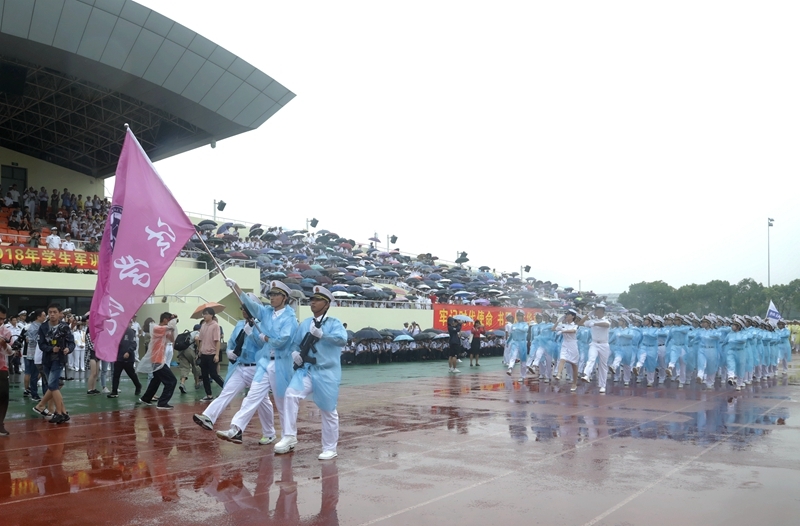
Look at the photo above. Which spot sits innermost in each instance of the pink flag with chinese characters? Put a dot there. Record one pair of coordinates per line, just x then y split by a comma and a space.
145, 232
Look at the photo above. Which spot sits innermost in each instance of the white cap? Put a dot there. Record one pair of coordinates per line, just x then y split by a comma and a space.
281, 286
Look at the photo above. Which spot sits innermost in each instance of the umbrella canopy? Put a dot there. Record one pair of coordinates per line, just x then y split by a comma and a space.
404, 338
198, 312
424, 336
362, 280
375, 239
207, 222
463, 317
368, 333
224, 227
347, 246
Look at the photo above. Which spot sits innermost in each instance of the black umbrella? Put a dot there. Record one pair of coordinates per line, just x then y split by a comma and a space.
368, 333
207, 222
257, 225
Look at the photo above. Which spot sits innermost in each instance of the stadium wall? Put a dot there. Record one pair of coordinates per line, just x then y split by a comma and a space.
41, 173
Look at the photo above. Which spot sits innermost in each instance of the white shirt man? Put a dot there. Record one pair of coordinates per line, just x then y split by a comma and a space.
67, 244
599, 350
14, 194
53, 240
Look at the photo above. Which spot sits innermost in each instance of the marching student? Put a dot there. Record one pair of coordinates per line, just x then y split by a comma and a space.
321, 338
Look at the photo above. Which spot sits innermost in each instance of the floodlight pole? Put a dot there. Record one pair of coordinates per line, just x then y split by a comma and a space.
769, 225
215, 210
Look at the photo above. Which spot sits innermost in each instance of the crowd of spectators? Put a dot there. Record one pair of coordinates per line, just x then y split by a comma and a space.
360, 274
66, 220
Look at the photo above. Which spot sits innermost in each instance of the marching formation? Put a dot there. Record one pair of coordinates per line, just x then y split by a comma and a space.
629, 348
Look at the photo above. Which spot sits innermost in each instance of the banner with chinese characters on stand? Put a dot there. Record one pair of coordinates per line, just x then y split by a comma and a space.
491, 317
47, 257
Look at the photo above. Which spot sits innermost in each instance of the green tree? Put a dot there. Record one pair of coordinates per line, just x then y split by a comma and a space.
656, 297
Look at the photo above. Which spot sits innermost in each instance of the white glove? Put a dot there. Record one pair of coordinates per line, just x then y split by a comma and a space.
315, 331
296, 358
262, 337
232, 356
248, 329
229, 282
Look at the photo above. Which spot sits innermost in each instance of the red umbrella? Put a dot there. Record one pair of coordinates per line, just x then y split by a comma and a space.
348, 246
302, 266
295, 275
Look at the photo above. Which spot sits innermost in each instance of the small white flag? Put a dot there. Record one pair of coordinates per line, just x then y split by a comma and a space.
773, 316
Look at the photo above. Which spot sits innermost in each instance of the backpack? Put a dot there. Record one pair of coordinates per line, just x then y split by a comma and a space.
183, 341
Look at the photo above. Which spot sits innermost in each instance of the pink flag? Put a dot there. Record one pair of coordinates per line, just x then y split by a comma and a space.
145, 231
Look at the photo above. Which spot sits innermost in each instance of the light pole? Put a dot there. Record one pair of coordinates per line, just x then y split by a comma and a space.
769, 225
218, 205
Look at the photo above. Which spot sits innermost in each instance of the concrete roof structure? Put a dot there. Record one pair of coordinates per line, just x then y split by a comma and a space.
73, 72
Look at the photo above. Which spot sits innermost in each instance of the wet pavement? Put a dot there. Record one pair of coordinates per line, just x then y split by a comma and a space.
419, 446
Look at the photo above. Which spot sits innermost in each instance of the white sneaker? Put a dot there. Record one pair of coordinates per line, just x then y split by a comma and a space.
106, 390
573, 388
508, 371
233, 434
328, 455
450, 370
286, 444
266, 440
602, 390
455, 370
459, 360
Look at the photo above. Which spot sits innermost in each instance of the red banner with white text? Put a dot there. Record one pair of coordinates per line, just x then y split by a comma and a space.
491, 317
48, 257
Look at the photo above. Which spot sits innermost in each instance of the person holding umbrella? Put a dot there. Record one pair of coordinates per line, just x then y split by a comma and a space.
453, 329
475, 345
321, 339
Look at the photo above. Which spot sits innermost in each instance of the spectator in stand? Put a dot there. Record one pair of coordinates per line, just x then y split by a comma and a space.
30, 201
92, 245
34, 241
15, 195
66, 203
54, 200
43, 202
25, 223
61, 222
37, 222
8, 201
80, 203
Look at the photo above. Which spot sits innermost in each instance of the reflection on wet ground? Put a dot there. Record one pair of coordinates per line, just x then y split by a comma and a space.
477, 442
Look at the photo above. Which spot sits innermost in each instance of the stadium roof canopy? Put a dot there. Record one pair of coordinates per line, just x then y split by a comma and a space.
73, 72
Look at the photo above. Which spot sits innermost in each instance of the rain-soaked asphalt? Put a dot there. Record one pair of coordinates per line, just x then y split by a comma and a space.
419, 446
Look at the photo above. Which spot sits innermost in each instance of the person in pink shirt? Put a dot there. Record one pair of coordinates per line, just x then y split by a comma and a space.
5, 353
208, 348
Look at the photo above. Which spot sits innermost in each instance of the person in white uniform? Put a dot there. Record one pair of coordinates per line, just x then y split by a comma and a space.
568, 330
320, 338
599, 351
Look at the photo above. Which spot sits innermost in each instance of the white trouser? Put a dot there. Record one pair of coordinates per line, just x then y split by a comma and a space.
71, 361
661, 363
279, 400
506, 354
257, 399
80, 357
240, 378
544, 361
598, 352
512, 360
330, 419
103, 367
626, 369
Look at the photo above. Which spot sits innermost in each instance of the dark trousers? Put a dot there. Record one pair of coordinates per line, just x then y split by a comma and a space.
30, 369
162, 376
208, 372
4, 395
128, 368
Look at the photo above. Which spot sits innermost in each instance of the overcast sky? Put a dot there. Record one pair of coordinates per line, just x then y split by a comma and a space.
601, 142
